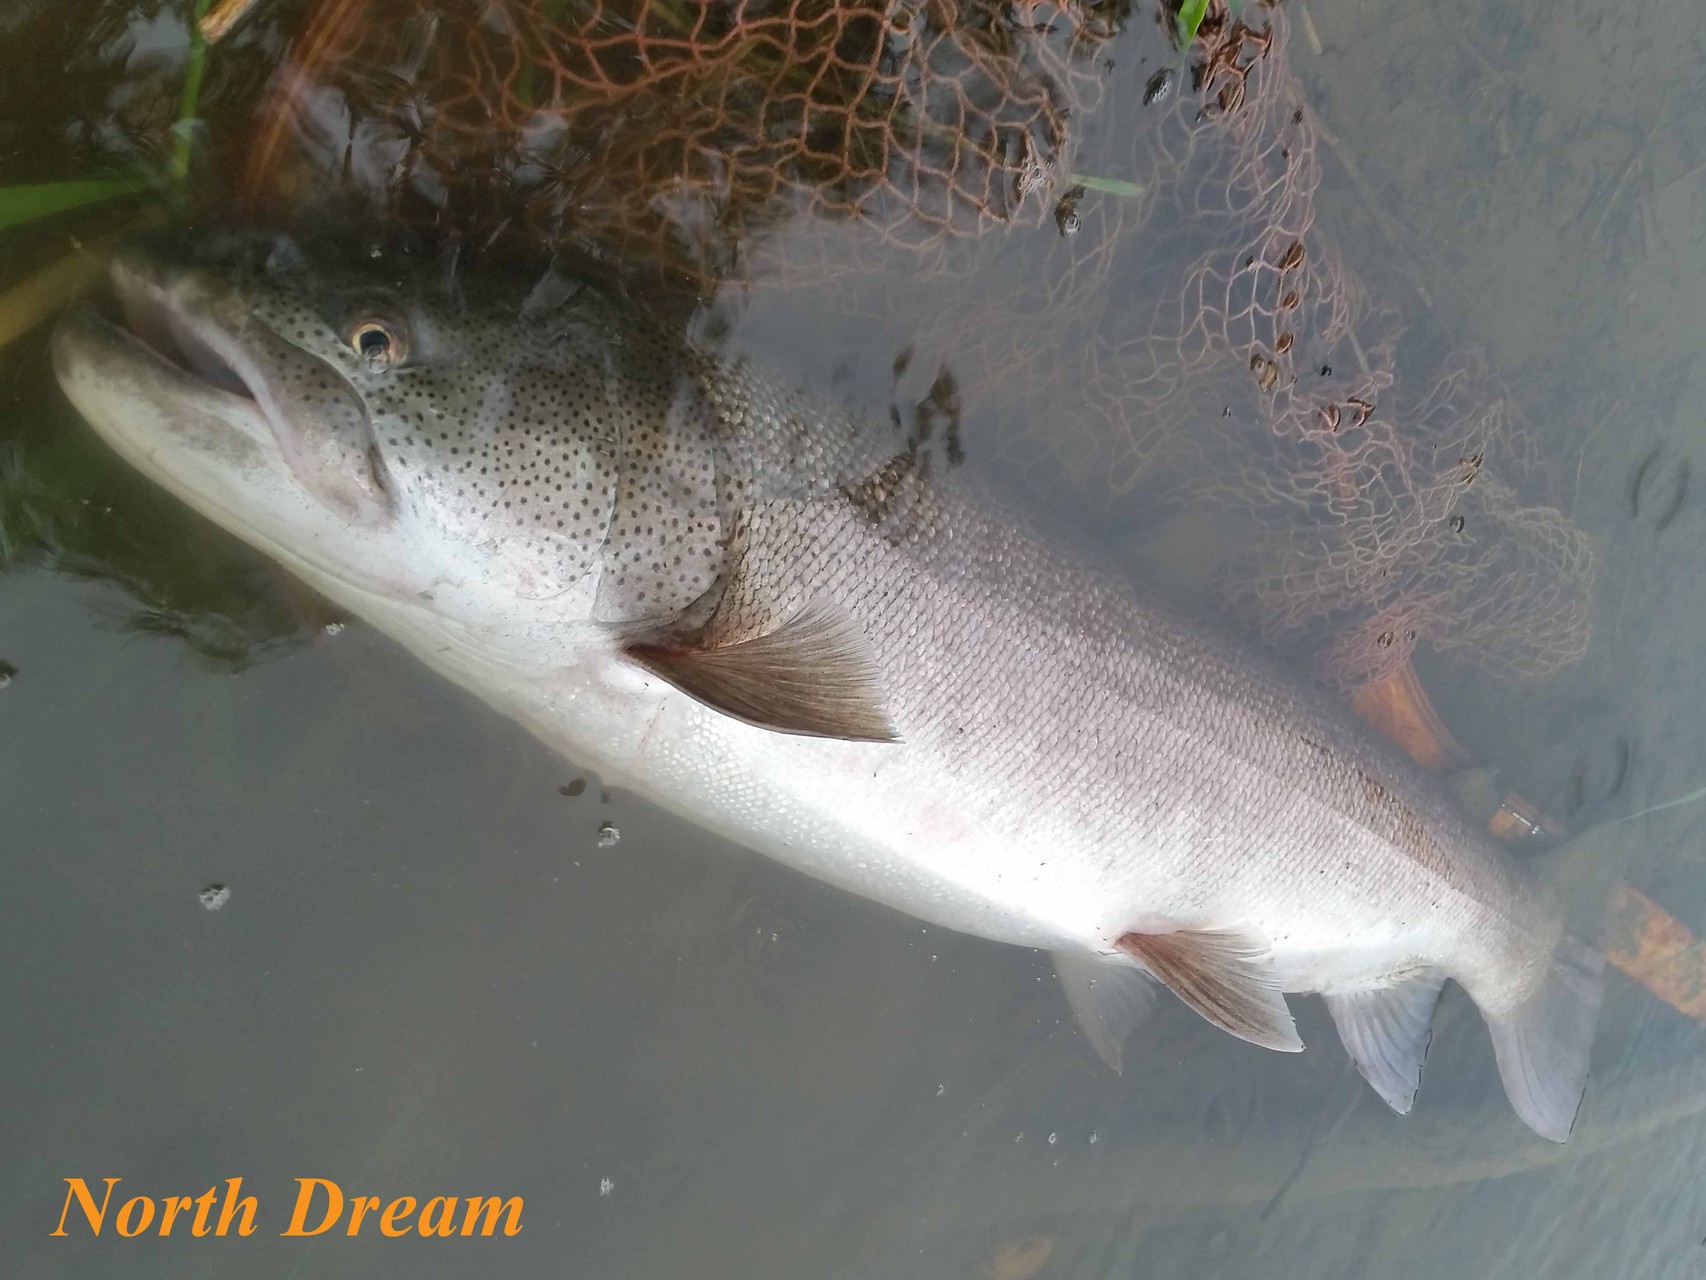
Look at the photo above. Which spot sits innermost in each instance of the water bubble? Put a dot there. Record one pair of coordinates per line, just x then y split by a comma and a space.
334, 628
606, 1186
1053, 1138
608, 835
1093, 1137
941, 1089
215, 896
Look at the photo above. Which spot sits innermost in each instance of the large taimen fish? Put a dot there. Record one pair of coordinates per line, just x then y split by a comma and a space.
754, 610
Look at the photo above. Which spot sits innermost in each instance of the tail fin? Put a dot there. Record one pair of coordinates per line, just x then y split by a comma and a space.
1543, 1044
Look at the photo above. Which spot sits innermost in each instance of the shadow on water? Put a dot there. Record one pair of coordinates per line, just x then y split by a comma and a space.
1205, 306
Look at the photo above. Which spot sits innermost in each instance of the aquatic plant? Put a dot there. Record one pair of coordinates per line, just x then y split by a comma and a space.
165, 187
33, 201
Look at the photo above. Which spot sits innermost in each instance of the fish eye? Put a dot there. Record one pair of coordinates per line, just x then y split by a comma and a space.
378, 342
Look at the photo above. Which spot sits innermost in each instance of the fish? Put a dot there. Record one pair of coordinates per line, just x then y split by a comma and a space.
778, 619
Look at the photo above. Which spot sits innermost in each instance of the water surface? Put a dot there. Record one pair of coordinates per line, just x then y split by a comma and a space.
432, 978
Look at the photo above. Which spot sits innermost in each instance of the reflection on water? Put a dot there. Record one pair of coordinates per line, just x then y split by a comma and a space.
1211, 317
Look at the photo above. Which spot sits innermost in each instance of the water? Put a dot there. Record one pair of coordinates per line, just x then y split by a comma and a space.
429, 978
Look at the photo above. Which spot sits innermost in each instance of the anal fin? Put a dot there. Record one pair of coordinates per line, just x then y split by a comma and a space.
1109, 996
1386, 1032
1225, 975
813, 675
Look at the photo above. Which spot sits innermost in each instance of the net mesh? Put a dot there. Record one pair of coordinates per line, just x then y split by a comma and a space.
672, 132
1173, 327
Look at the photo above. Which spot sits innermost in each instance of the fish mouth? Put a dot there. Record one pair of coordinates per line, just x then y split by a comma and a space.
159, 317
175, 373
179, 364
168, 340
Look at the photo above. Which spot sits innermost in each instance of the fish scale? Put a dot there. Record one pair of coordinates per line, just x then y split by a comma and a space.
767, 615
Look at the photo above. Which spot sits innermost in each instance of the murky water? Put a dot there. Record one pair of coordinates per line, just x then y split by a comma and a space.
432, 969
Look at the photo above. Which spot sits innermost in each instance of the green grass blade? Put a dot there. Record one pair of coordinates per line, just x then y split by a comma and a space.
43, 200
190, 99
1190, 18
1113, 186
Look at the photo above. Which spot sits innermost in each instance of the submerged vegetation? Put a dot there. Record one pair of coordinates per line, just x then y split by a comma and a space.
22, 204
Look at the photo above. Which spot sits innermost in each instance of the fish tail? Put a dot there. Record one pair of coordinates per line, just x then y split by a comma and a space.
1542, 1044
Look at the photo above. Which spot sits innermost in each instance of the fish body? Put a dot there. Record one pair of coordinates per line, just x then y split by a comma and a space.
765, 615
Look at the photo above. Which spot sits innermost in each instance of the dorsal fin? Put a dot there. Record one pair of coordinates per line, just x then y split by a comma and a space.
1223, 974
813, 675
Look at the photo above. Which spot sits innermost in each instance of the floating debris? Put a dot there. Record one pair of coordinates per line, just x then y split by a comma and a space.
215, 896
608, 835
1066, 212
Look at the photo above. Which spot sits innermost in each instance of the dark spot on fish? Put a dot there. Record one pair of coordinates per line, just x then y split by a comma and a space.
573, 788
1316, 746
892, 499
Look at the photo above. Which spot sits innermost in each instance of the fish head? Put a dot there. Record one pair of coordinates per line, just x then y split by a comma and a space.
377, 429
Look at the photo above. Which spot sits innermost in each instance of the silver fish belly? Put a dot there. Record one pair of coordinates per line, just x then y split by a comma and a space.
760, 613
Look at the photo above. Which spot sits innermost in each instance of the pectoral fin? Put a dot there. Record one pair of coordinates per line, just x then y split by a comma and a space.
1225, 976
1386, 1032
813, 675
1109, 996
